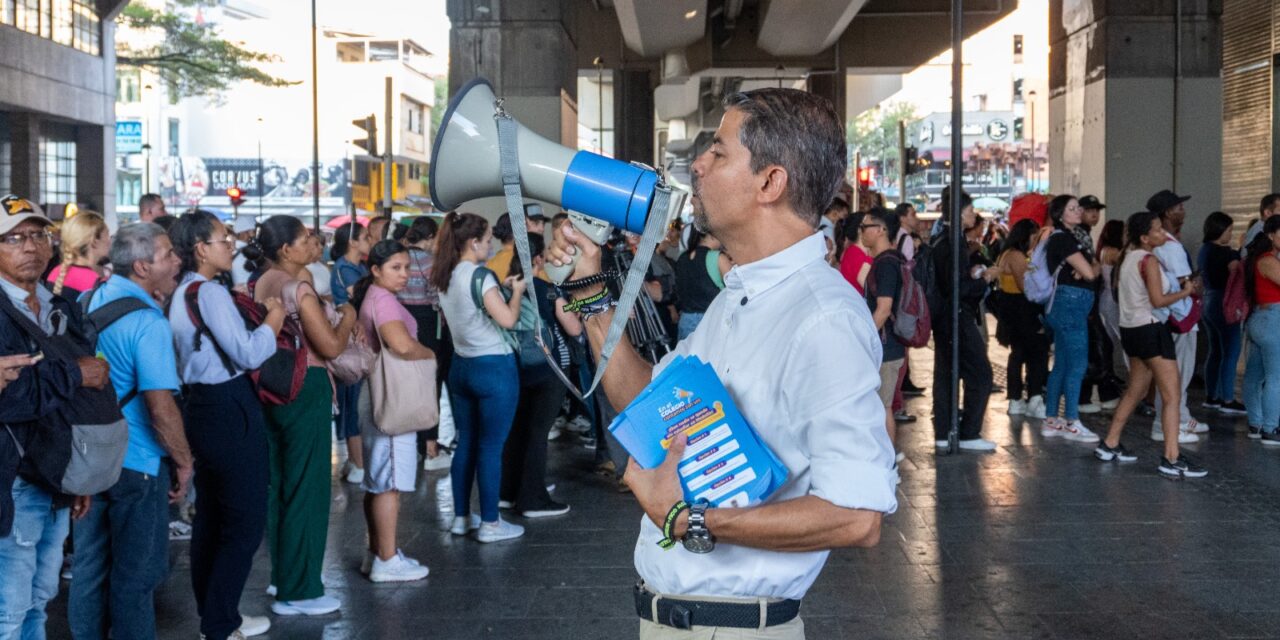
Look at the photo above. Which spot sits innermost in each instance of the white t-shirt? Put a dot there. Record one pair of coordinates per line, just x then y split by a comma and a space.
320, 274
473, 332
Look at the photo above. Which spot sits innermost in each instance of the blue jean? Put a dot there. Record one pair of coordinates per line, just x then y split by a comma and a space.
1224, 349
483, 393
1262, 368
347, 422
688, 322
122, 556
1069, 321
31, 557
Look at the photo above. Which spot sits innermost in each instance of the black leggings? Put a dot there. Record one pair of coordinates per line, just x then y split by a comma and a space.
430, 321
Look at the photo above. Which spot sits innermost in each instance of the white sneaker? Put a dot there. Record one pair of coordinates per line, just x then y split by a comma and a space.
1090, 407
179, 530
355, 475
313, 607
254, 625
441, 462
271, 590
367, 565
1078, 432
553, 434
1110, 404
1017, 407
499, 531
1195, 426
1035, 407
505, 504
1184, 437
397, 569
463, 524
580, 424
1053, 427
977, 444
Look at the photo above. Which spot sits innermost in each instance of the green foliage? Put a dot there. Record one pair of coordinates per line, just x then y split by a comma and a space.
875, 134
190, 57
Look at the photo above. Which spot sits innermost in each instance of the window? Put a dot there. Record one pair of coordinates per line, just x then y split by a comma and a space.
74, 23
384, 50
58, 168
1017, 90
413, 116
6, 157
128, 86
350, 51
173, 137
1017, 47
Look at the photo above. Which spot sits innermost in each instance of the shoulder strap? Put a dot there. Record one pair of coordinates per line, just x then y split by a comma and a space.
477, 286
713, 268
192, 299
109, 313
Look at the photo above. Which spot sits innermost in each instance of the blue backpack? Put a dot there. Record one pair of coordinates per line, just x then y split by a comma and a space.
520, 338
1040, 283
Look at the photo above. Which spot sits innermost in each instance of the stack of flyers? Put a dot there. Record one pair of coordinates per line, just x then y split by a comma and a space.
725, 463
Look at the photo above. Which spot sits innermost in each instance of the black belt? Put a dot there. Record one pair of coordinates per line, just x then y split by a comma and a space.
684, 614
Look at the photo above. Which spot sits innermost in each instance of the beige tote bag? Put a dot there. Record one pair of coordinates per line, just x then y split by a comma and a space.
403, 392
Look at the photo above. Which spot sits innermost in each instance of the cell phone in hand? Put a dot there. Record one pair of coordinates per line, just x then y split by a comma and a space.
37, 357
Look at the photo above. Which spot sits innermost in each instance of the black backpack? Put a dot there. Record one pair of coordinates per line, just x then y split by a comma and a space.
925, 275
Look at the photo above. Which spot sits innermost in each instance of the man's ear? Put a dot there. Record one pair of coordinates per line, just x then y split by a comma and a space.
772, 185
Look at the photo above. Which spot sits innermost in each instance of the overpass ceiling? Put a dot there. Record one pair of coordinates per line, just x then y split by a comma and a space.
654, 27
804, 27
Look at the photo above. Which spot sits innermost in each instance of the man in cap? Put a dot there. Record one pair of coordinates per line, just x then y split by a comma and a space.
535, 219
1176, 263
1099, 373
34, 518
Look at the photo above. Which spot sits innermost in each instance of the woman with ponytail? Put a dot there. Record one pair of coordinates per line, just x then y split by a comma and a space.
1262, 329
298, 432
85, 242
223, 420
484, 383
422, 299
392, 460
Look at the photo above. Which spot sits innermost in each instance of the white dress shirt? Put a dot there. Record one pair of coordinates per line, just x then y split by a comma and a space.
244, 348
796, 347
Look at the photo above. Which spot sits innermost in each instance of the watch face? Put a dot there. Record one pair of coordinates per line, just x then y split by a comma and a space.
699, 544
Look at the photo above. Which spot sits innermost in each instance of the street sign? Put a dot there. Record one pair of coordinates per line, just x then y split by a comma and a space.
128, 136
997, 129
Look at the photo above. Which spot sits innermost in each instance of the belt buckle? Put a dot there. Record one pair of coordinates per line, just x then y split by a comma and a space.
680, 617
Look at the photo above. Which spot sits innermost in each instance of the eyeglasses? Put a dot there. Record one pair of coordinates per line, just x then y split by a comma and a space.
38, 238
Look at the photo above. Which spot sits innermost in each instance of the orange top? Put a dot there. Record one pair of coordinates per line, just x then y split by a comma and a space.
1265, 291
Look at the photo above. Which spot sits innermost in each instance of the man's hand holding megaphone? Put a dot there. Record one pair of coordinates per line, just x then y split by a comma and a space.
570, 242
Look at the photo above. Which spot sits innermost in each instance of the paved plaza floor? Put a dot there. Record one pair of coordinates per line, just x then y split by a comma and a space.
1036, 540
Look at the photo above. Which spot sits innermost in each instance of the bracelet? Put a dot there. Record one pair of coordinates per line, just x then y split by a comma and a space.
668, 534
577, 304
594, 310
582, 283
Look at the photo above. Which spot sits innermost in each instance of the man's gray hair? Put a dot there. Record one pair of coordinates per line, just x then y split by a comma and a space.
801, 133
134, 242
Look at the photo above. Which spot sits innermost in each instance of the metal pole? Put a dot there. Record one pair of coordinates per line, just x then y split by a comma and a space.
957, 222
262, 189
1177, 88
387, 159
902, 161
1035, 165
315, 128
857, 183
600, 104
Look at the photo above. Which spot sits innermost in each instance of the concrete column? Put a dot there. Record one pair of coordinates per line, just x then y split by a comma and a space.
633, 116
24, 131
1127, 119
95, 164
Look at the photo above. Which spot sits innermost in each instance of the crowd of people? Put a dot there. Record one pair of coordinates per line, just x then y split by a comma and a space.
235, 351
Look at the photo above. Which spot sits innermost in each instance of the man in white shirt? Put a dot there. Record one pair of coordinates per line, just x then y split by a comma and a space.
1269, 206
1176, 263
797, 349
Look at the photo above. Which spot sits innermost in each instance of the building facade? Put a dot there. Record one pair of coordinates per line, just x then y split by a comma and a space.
1250, 119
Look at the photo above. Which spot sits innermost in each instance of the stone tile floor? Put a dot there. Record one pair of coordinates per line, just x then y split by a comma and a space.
1036, 540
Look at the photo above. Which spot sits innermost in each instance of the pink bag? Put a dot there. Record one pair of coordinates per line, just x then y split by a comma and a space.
356, 360
1235, 301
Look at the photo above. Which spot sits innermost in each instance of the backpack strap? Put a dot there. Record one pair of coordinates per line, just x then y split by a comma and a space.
107, 315
713, 268
192, 299
477, 286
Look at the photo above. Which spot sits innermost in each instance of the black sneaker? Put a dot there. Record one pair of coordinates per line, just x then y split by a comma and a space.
1233, 407
1212, 403
1145, 410
1255, 433
1271, 438
1117, 453
1181, 468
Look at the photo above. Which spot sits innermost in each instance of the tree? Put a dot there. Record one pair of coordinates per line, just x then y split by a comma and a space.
188, 54
874, 133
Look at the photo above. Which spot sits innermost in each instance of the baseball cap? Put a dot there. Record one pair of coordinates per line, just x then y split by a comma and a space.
14, 211
533, 211
1164, 200
1091, 202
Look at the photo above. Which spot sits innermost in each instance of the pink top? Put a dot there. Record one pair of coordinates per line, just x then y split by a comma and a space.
383, 305
271, 285
79, 278
851, 264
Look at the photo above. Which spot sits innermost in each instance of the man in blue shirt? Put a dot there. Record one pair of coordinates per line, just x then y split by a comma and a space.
122, 545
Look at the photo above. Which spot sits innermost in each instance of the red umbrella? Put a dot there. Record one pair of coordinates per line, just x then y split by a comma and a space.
1029, 205
334, 223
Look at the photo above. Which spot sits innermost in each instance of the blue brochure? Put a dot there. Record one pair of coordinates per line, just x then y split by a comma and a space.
725, 463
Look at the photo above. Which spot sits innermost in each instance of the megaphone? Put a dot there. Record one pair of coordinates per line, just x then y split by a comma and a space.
466, 164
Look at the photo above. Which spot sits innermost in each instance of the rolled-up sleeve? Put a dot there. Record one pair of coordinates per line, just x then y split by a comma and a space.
833, 374
247, 349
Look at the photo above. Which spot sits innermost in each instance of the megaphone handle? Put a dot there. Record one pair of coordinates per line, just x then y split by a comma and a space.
559, 274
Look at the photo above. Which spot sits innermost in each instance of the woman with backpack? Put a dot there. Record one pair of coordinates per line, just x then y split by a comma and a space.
1074, 268
699, 278
1217, 260
350, 244
1262, 367
392, 459
484, 381
524, 459
1019, 325
1148, 341
422, 300
223, 420
298, 432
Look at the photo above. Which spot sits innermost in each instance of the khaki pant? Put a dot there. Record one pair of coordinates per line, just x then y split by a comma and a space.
793, 630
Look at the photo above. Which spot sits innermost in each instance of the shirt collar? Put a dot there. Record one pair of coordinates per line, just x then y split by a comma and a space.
760, 276
18, 296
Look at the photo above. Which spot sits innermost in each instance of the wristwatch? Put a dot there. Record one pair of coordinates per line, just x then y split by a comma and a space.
698, 538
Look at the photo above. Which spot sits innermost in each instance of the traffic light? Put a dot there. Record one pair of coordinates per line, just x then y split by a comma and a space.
1017, 128
236, 196
369, 124
866, 175
912, 163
